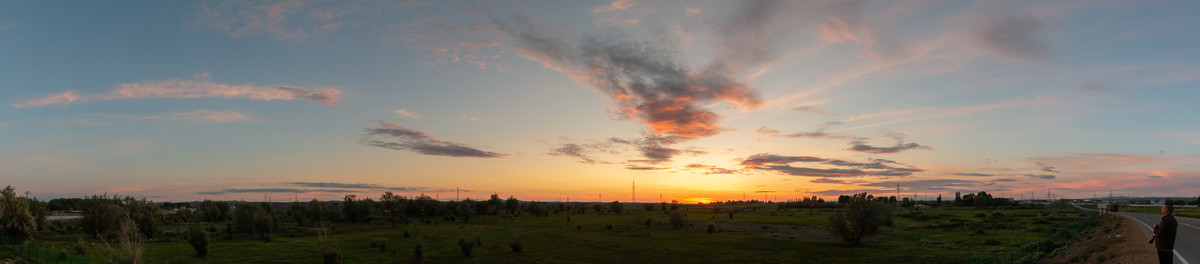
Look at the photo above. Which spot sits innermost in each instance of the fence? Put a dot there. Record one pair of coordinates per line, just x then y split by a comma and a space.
37, 254
1037, 249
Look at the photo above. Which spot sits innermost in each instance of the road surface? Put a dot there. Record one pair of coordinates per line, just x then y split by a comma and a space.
1187, 235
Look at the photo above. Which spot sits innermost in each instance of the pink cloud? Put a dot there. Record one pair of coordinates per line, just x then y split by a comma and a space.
198, 88
407, 113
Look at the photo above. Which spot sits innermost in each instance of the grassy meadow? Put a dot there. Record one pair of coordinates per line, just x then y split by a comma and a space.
760, 233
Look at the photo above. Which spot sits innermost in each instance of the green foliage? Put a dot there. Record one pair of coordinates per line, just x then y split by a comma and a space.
212, 211
145, 214
380, 243
101, 215
616, 207
198, 238
861, 216
15, 218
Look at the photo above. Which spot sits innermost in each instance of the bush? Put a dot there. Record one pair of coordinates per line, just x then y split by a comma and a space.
861, 216
711, 228
380, 243
80, 246
466, 246
608, 226
332, 257
648, 221
198, 238
516, 244
418, 255
677, 220
15, 217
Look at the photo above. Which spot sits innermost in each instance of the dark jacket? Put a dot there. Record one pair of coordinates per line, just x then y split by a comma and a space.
1164, 233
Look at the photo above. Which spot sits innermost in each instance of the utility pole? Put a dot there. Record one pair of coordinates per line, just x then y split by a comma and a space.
634, 191
600, 198
456, 193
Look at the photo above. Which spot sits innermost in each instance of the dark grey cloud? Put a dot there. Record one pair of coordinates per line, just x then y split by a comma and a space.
1045, 168
1012, 36
973, 174
355, 186
643, 168
840, 168
1004, 180
580, 151
827, 180
1154, 177
709, 169
275, 190
1041, 176
412, 140
924, 184
861, 146
764, 158
877, 192
1094, 86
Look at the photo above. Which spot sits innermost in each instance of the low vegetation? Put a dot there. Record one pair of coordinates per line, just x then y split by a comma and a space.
400, 229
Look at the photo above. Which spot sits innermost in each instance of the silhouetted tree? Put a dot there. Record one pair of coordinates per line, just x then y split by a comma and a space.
861, 216
512, 204
101, 215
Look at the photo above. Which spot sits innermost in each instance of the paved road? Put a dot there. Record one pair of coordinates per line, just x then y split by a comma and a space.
1187, 236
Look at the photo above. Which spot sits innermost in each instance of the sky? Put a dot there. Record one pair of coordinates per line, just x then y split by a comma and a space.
580, 100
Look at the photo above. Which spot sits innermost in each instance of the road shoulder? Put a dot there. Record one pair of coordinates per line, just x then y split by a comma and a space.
1116, 240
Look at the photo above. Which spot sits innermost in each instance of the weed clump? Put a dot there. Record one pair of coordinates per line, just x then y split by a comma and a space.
711, 228
648, 221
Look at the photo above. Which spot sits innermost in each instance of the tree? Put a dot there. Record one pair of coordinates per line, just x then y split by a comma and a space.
958, 201
101, 215
146, 215
860, 217
393, 207
616, 207
494, 204
211, 211
512, 204
247, 218
15, 218
939, 199
198, 238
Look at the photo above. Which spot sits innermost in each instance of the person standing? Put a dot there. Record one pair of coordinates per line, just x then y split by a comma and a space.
1164, 235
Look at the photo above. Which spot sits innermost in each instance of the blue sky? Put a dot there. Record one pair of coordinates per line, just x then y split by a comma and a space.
552, 100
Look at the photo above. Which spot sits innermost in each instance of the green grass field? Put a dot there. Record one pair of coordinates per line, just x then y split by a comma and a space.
760, 234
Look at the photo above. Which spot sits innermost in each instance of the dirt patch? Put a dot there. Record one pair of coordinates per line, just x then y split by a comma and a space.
1116, 240
775, 230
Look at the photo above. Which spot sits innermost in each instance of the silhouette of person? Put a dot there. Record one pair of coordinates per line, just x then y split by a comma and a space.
1164, 235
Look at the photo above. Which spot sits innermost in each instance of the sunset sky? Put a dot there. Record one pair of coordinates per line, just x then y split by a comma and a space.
557, 100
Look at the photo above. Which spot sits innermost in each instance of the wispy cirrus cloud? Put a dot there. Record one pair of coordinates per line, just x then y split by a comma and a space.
201, 115
412, 140
290, 20
407, 113
199, 87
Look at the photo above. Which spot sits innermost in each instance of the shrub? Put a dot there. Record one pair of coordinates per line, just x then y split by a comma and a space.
991, 242
711, 228
608, 226
861, 216
648, 221
16, 220
677, 220
332, 257
198, 238
418, 255
579, 227
516, 244
380, 243
466, 246
80, 246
